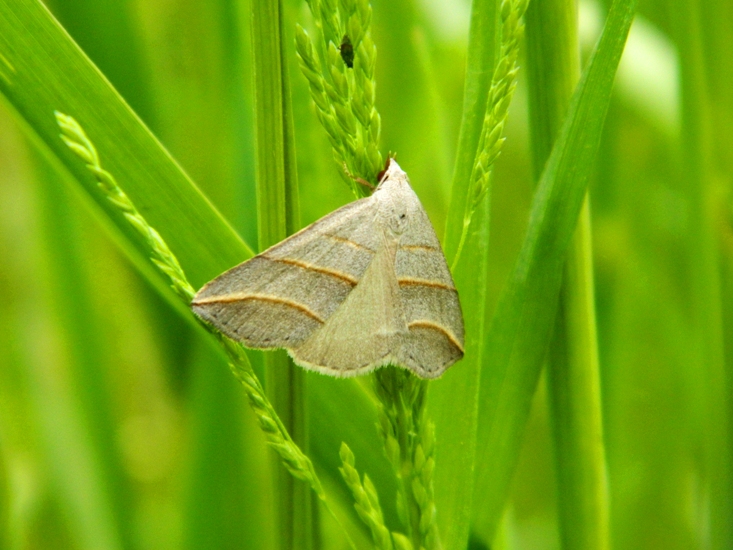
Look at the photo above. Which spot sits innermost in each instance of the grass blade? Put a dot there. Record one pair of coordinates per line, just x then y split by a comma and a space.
277, 205
479, 70
79, 323
523, 321
703, 263
454, 398
573, 369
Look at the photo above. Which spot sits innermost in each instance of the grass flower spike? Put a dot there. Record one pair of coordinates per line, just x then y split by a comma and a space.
340, 74
278, 438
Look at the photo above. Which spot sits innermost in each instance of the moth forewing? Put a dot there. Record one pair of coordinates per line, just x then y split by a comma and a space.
365, 286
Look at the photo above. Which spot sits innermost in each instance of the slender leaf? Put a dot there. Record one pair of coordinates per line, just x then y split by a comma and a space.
80, 330
522, 324
4, 497
703, 259
573, 370
277, 205
479, 70
454, 398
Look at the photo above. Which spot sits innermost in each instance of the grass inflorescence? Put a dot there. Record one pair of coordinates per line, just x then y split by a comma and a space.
339, 66
297, 463
503, 85
366, 499
409, 440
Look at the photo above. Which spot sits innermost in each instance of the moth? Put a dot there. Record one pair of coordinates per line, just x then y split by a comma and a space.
363, 287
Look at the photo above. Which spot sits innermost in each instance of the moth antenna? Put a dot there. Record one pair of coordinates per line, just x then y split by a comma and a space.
357, 179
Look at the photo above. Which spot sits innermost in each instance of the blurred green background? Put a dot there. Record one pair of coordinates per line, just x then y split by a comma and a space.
120, 427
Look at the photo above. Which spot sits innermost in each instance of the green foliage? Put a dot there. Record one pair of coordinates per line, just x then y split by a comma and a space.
524, 317
118, 428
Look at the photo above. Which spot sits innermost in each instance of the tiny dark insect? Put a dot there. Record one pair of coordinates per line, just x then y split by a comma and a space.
347, 51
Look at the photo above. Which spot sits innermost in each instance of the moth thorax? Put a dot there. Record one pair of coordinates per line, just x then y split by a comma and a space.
399, 221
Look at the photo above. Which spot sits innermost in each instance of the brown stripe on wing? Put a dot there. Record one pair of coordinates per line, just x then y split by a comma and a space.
242, 296
412, 281
348, 241
317, 268
439, 328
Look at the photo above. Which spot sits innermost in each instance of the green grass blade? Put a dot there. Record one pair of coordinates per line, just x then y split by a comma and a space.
573, 370
698, 176
42, 71
454, 398
71, 454
4, 498
227, 502
107, 33
523, 321
79, 322
277, 205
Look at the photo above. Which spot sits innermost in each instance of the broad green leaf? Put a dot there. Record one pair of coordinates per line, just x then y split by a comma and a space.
522, 324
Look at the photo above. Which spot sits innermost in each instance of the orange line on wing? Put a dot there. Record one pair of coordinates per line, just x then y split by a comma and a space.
348, 241
411, 281
439, 328
317, 268
242, 296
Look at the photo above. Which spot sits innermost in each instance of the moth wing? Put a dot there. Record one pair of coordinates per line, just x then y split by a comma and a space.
429, 299
368, 326
279, 297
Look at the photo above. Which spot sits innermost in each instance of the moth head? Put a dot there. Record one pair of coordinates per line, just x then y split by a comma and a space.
391, 170
397, 200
